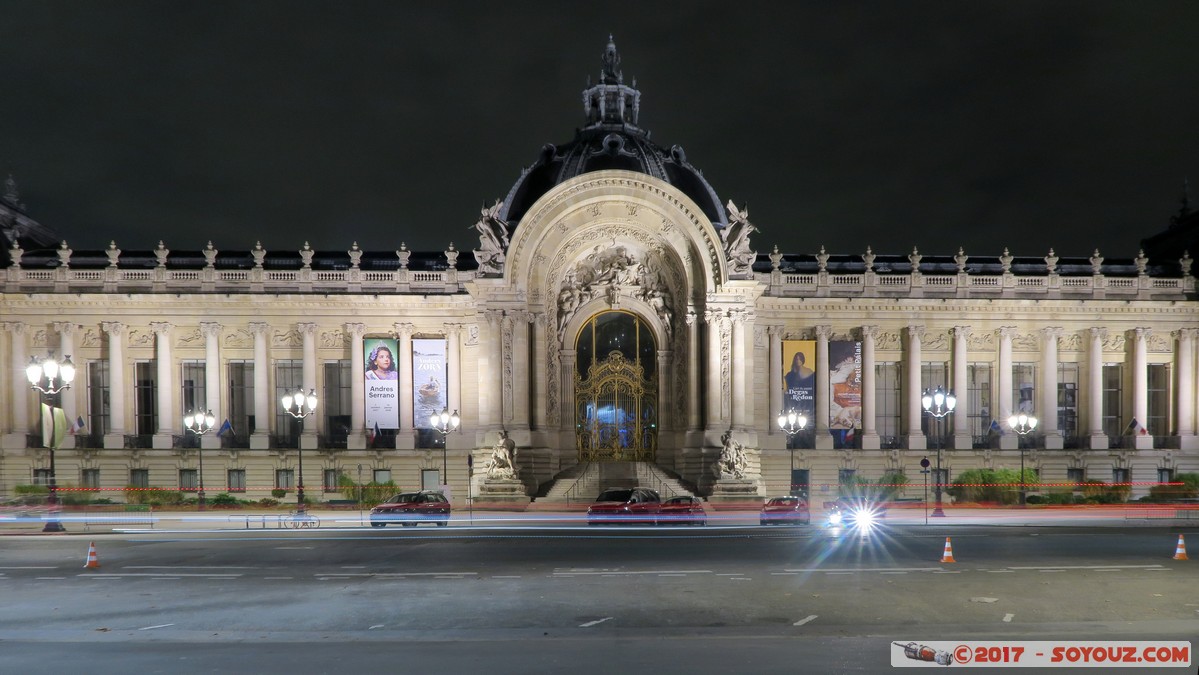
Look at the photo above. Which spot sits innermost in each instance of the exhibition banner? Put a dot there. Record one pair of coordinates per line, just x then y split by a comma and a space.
799, 377
845, 384
382, 383
428, 380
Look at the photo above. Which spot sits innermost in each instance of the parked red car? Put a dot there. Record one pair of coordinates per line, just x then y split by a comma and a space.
685, 510
413, 508
785, 511
638, 506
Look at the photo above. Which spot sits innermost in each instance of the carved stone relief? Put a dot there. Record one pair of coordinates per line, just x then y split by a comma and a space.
289, 338
936, 341
981, 341
1026, 342
1160, 343
1113, 342
140, 337
90, 338
1071, 342
40, 338
472, 335
189, 338
239, 337
332, 339
888, 341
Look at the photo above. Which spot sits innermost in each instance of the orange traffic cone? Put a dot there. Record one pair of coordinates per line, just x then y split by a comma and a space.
93, 563
1180, 553
948, 555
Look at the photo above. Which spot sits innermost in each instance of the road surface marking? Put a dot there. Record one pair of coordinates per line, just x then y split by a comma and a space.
506, 576
1089, 567
629, 573
863, 569
28, 568
378, 625
48, 578
1007, 618
95, 575
277, 578
161, 625
589, 624
804, 620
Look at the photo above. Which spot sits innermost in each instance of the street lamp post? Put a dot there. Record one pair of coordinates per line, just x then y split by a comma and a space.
938, 405
50, 377
200, 423
299, 406
791, 423
445, 424
1022, 424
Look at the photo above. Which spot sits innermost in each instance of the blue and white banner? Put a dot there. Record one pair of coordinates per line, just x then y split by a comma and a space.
429, 394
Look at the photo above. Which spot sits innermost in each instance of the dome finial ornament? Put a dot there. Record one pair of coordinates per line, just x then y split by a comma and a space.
611, 61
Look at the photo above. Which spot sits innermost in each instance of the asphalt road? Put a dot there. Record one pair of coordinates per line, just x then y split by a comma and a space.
536, 599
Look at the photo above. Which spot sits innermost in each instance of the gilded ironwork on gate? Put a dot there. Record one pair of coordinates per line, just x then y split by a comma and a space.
616, 412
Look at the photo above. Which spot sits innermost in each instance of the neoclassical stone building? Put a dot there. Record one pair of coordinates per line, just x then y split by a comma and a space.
615, 319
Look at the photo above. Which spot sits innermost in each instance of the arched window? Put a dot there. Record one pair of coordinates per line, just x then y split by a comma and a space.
616, 389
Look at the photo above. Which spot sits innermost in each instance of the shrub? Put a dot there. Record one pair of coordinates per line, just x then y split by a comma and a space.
1099, 492
267, 501
278, 493
1169, 493
32, 490
999, 486
103, 500
152, 496
1035, 499
224, 499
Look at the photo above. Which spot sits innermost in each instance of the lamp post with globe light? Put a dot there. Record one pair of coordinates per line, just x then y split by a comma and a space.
791, 423
200, 423
445, 424
1022, 424
49, 377
938, 405
299, 406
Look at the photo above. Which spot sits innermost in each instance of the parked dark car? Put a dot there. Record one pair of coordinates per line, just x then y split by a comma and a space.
413, 508
785, 511
625, 505
682, 511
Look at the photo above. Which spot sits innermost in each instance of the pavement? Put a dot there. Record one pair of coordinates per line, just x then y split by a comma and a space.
100, 522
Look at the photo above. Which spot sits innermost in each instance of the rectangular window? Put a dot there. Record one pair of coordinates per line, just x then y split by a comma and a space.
192, 390
237, 480
887, 397
285, 479
336, 403
1120, 476
978, 381
1067, 403
331, 478
846, 482
935, 374
1024, 388
430, 479
241, 404
145, 397
289, 377
98, 411
1075, 476
89, 479
382, 476
1158, 423
41, 476
139, 478
188, 479
1113, 403
1165, 475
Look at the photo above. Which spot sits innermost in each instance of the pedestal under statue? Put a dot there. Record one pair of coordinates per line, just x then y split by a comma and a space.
733, 482
501, 476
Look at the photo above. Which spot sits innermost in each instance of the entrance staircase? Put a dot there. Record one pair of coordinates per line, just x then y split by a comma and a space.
578, 486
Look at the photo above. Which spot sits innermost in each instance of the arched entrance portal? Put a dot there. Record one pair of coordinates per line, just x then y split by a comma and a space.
616, 389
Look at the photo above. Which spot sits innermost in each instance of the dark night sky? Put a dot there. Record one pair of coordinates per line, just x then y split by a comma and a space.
1026, 124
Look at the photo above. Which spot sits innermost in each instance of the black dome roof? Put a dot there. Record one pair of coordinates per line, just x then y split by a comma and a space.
611, 140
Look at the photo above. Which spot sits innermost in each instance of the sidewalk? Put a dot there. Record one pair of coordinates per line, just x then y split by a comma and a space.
249, 519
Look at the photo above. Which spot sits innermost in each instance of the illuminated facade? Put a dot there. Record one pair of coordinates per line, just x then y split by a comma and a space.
614, 311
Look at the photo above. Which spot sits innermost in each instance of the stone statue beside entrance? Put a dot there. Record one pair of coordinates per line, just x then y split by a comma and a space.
502, 463
732, 463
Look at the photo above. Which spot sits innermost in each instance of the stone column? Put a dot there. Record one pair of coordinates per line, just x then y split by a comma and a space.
493, 378
715, 426
870, 439
356, 440
114, 436
738, 372
1140, 385
824, 441
20, 386
212, 381
1009, 440
665, 400
260, 439
566, 407
68, 399
1047, 416
518, 370
1185, 357
406, 434
1099, 440
962, 439
775, 335
166, 386
453, 358
311, 424
537, 368
694, 397
916, 439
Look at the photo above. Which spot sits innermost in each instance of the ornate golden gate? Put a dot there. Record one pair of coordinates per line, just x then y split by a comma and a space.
616, 402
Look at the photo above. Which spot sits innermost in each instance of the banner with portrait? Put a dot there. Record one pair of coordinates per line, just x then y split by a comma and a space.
799, 377
382, 388
845, 390
428, 380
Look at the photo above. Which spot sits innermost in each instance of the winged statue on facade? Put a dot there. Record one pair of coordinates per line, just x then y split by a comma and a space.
493, 240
